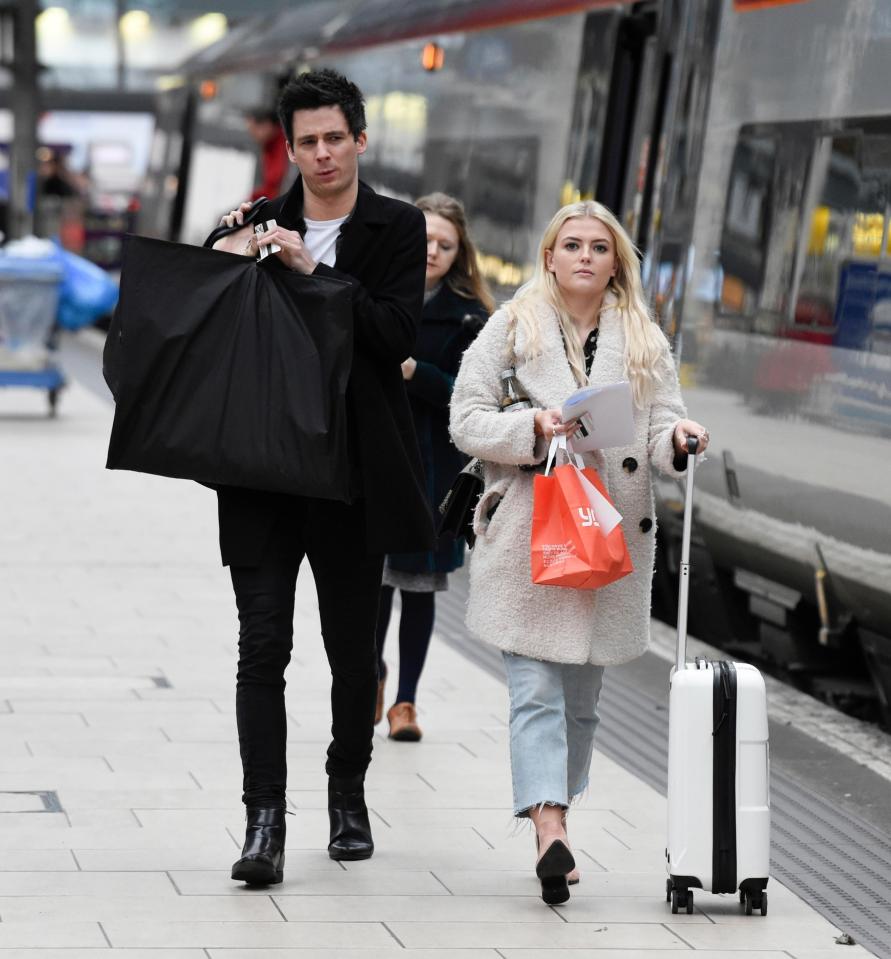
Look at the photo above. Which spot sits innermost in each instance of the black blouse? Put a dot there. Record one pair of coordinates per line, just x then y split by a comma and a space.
590, 348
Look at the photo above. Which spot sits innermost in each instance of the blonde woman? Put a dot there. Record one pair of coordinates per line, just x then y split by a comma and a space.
581, 319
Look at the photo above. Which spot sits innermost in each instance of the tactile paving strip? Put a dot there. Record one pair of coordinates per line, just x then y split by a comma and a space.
838, 864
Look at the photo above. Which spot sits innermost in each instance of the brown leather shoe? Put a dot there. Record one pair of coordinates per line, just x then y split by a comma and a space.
403, 720
379, 705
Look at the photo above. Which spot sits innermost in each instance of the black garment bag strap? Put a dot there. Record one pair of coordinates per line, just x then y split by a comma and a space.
252, 215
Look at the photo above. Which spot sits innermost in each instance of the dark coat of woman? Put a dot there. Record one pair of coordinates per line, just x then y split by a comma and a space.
449, 325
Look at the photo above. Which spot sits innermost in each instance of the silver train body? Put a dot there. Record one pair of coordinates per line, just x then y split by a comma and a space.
786, 339
746, 146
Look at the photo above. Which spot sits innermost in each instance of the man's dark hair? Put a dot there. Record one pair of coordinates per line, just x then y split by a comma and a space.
321, 88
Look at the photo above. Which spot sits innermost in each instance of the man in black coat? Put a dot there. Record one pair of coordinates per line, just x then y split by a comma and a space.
329, 224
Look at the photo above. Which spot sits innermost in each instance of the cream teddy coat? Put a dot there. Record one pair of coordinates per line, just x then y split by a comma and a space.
605, 626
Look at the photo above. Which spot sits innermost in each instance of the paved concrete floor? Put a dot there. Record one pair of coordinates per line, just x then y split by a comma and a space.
119, 770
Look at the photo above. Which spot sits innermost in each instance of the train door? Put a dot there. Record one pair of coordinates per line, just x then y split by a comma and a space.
614, 76
639, 130
636, 95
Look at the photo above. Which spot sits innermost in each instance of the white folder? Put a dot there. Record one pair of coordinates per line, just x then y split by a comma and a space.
605, 416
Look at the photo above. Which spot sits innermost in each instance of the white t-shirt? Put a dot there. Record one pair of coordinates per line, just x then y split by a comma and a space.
321, 239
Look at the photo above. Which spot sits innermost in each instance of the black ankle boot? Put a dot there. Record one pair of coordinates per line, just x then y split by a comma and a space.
350, 829
262, 860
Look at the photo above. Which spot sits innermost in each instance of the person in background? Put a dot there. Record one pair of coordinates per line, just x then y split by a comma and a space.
456, 304
53, 176
265, 129
582, 319
61, 201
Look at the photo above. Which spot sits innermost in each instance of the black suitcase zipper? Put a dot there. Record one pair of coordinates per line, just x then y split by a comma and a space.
724, 778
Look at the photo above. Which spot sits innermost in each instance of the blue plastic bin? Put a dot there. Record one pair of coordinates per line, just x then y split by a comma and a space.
29, 301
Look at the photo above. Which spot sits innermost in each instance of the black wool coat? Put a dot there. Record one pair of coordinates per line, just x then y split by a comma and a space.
382, 254
449, 324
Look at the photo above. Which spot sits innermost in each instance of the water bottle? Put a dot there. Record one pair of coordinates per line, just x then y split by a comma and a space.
514, 398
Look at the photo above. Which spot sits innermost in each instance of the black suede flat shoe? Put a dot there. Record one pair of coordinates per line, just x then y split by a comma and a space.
551, 870
262, 860
348, 815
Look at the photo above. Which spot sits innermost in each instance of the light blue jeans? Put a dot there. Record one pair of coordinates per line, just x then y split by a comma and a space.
553, 716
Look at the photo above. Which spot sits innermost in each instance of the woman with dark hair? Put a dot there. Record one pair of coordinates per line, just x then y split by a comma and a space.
456, 304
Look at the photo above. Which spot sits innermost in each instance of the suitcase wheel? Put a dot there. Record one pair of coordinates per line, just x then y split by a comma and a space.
751, 902
668, 890
682, 899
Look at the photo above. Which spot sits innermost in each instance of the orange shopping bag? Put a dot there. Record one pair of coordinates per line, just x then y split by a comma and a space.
577, 539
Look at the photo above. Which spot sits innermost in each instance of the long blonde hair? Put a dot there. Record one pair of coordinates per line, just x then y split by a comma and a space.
644, 342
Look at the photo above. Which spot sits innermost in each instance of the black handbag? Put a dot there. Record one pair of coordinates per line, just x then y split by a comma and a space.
459, 505
460, 502
229, 371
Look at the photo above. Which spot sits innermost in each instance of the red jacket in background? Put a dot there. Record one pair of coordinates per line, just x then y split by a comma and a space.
273, 165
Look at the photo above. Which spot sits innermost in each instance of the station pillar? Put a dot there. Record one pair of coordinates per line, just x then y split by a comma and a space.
25, 107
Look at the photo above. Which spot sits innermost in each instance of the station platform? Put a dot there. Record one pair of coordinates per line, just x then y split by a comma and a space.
120, 777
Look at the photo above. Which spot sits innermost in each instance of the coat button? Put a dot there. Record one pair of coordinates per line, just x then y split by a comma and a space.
646, 524
629, 464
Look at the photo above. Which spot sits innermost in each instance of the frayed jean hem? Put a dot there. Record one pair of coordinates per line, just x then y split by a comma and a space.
524, 811
574, 798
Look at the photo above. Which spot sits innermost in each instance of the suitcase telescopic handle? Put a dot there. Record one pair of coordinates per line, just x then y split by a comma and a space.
684, 587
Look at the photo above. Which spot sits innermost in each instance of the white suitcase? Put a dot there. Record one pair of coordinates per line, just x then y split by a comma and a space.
718, 769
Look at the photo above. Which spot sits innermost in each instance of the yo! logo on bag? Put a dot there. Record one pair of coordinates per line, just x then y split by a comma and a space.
587, 516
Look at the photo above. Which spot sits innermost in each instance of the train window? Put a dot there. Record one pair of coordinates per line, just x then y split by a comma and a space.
844, 290
747, 222
495, 177
805, 248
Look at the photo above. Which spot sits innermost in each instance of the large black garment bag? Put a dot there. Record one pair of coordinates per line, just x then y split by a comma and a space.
229, 371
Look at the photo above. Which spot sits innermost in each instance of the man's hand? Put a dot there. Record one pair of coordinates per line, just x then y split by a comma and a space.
241, 241
408, 368
293, 252
236, 216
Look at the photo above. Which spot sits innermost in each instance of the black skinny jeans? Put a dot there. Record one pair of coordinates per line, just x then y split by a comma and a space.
332, 537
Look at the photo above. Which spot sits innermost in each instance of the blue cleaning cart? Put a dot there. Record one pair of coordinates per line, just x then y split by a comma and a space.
29, 302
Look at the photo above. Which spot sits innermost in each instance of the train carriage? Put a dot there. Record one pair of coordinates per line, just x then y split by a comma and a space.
746, 146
